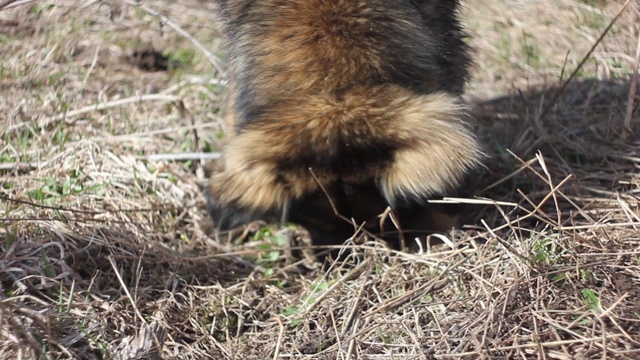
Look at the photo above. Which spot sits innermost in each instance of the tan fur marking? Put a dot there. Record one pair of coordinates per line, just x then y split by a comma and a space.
441, 149
254, 187
250, 173
315, 34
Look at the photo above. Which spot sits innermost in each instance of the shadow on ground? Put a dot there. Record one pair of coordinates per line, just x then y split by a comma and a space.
579, 135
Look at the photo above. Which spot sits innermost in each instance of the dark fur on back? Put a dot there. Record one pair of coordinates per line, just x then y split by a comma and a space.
355, 98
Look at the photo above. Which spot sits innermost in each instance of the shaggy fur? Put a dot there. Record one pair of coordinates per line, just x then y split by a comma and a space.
356, 101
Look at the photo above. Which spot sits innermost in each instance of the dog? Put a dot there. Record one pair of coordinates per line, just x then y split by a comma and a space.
341, 109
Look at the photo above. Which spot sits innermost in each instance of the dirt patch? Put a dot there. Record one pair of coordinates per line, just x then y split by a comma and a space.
146, 58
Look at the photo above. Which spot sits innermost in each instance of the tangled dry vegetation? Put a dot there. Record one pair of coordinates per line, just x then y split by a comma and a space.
102, 252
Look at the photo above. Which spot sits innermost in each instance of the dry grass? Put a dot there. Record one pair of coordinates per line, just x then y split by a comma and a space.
102, 255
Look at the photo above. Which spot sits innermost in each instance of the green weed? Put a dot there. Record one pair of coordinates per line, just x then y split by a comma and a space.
591, 300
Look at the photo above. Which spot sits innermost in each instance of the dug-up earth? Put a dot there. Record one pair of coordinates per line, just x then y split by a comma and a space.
103, 252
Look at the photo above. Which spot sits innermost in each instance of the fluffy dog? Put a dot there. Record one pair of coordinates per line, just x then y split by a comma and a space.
345, 105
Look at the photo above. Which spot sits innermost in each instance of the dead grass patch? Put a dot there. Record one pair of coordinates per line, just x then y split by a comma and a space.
102, 255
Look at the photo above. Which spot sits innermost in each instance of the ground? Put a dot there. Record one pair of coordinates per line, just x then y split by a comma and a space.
103, 251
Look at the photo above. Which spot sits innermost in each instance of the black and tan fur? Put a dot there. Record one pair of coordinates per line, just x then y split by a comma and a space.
357, 99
